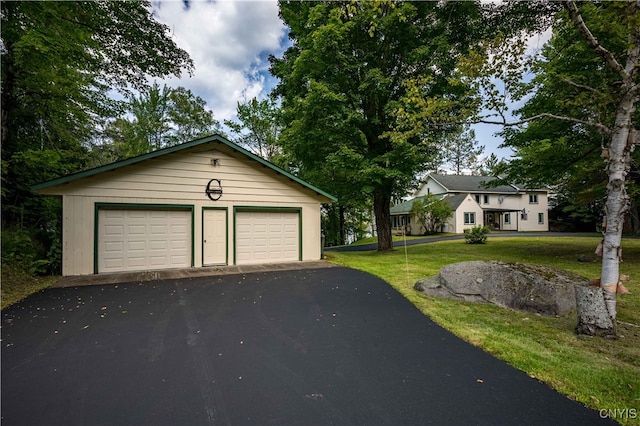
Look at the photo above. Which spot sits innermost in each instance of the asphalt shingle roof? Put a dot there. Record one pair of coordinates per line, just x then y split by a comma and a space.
455, 183
405, 207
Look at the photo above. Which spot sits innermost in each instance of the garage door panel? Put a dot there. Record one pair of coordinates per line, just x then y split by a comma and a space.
267, 237
130, 240
158, 229
116, 230
137, 230
158, 245
136, 262
112, 213
114, 263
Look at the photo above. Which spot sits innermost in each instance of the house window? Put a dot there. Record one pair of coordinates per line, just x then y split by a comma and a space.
478, 198
541, 218
485, 199
469, 218
533, 198
507, 218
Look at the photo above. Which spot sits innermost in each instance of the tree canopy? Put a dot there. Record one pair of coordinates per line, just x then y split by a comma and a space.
344, 77
258, 127
580, 128
157, 118
60, 63
431, 212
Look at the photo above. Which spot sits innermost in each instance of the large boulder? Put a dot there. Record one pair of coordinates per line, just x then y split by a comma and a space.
531, 288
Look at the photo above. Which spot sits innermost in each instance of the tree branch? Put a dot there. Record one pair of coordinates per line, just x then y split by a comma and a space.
578, 22
598, 126
579, 86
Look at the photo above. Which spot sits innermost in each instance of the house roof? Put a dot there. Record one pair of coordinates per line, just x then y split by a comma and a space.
468, 184
155, 154
456, 200
405, 207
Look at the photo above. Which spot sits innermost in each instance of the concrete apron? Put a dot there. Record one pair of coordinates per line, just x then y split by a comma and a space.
167, 274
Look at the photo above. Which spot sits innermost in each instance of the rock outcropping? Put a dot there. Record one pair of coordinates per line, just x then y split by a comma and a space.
531, 288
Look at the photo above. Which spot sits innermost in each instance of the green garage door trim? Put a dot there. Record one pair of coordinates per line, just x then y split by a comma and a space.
226, 210
242, 209
136, 206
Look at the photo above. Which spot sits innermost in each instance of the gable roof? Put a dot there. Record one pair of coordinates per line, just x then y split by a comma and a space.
405, 207
457, 183
164, 151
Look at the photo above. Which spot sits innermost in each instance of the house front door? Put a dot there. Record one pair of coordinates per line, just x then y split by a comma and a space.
214, 237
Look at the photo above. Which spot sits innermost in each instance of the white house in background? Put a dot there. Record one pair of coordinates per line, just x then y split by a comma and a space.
474, 202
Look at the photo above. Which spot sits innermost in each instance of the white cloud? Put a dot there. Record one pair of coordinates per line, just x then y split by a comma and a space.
229, 42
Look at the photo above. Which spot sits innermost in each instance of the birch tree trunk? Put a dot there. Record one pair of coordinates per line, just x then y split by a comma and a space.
622, 143
623, 139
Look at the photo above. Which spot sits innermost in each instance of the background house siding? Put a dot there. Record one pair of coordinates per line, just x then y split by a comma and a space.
469, 205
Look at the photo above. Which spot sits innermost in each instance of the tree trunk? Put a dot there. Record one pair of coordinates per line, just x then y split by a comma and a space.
634, 217
623, 141
593, 317
381, 205
342, 226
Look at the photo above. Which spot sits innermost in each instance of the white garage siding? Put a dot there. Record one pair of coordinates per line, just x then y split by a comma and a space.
267, 236
143, 239
175, 178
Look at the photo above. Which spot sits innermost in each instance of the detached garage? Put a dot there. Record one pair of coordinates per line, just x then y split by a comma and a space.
203, 203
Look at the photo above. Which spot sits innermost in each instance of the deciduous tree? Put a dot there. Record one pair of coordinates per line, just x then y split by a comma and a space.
258, 127
431, 212
344, 75
60, 63
586, 94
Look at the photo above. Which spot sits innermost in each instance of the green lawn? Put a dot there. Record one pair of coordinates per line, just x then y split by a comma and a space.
374, 240
602, 374
17, 284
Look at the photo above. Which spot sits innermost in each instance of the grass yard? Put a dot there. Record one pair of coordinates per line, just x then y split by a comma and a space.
374, 240
17, 284
601, 374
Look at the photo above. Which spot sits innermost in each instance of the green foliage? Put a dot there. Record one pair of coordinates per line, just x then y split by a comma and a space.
25, 208
575, 83
345, 77
431, 212
22, 251
338, 223
461, 150
490, 166
477, 235
259, 128
62, 57
159, 118
60, 60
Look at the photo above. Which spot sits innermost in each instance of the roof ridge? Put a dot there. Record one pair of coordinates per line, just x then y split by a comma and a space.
216, 137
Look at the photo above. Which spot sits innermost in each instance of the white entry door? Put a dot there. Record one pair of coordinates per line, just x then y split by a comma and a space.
214, 237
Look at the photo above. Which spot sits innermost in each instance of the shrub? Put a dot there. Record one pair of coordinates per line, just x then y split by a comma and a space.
477, 235
24, 251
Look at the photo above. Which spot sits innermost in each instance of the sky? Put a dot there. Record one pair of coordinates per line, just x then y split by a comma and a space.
230, 42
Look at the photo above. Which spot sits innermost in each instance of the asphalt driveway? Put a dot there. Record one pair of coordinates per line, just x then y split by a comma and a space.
320, 346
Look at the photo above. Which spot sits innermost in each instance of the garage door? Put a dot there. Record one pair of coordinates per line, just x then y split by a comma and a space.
264, 237
135, 240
